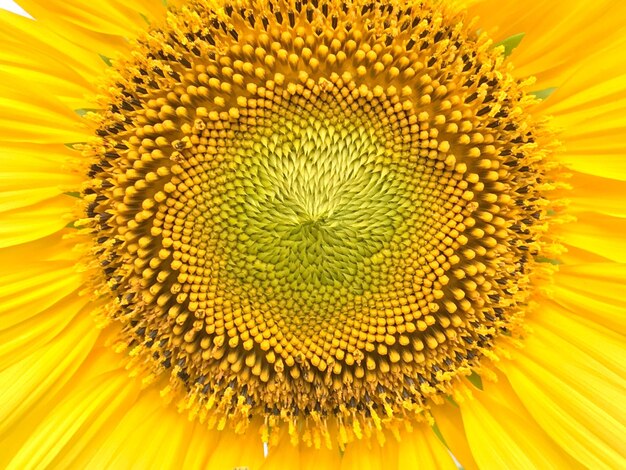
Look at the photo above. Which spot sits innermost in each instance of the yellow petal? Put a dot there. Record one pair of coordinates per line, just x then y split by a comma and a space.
57, 246
300, 456
152, 434
27, 115
62, 58
557, 34
234, 450
597, 233
121, 445
417, 448
45, 66
201, 445
34, 284
38, 285
602, 344
57, 160
100, 26
314, 459
23, 225
596, 194
29, 177
366, 454
501, 432
573, 255
76, 426
145, 439
572, 395
81, 21
13, 199
450, 423
421, 448
589, 108
283, 452
153, 10
48, 368
71, 425
593, 291
26, 335
102, 16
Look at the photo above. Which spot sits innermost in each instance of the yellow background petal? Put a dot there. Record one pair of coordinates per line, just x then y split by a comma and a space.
557, 34
589, 109
596, 194
450, 423
62, 58
572, 395
501, 433
597, 233
593, 291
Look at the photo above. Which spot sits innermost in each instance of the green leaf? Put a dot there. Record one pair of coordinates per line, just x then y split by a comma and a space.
72, 145
510, 43
106, 60
543, 94
82, 112
437, 432
451, 400
73, 194
543, 259
476, 381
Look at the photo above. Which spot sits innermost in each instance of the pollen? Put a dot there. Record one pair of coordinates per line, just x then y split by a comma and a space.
319, 215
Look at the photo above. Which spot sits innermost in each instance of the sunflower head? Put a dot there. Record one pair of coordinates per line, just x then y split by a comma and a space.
312, 234
320, 213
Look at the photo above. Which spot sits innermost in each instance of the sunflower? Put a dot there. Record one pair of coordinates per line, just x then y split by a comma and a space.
312, 234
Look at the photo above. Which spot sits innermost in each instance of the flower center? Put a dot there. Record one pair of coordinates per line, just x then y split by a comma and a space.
319, 213
314, 206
